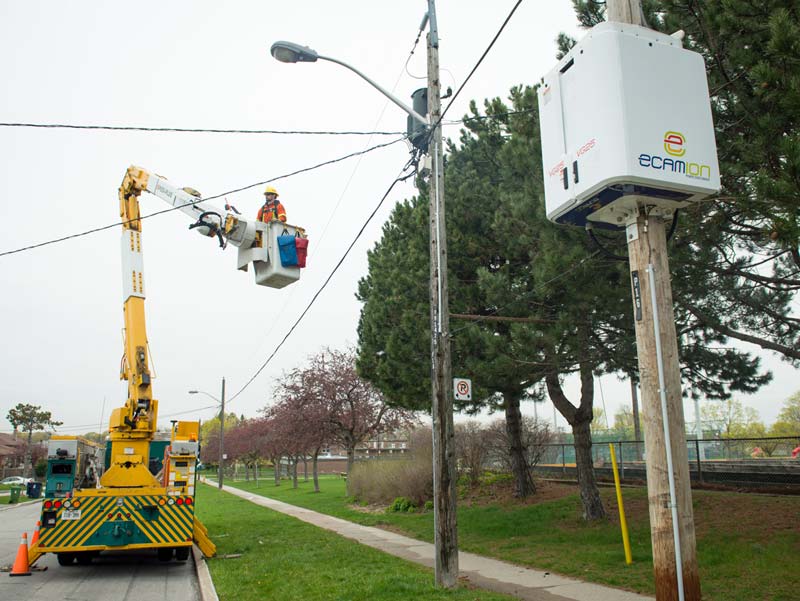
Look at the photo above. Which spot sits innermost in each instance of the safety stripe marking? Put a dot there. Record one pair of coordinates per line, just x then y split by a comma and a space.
155, 529
64, 532
90, 526
184, 513
147, 527
176, 521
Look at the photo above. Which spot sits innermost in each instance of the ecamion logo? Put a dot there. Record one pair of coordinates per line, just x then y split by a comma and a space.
675, 146
673, 143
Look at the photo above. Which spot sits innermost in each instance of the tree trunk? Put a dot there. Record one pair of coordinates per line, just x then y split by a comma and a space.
276, 464
351, 457
27, 460
305, 468
580, 418
294, 473
590, 495
519, 463
315, 472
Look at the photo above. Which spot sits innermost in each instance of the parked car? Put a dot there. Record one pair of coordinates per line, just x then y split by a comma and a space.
18, 480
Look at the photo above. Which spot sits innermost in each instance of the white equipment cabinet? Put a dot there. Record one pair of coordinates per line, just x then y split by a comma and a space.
626, 120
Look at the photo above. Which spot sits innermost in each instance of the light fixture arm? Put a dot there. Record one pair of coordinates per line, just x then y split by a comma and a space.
386, 93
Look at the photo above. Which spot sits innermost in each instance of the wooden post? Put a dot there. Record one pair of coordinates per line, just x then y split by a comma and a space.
647, 250
444, 468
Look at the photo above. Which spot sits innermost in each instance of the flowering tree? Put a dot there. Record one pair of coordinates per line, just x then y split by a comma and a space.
353, 409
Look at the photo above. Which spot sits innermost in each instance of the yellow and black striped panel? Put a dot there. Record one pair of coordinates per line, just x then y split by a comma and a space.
116, 522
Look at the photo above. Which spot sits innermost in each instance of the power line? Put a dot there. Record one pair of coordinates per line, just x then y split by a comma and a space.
190, 130
321, 237
274, 179
399, 178
480, 60
101, 426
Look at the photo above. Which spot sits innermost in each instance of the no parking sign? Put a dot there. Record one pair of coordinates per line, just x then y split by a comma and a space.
462, 389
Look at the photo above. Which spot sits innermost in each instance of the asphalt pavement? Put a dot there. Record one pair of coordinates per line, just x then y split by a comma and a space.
125, 576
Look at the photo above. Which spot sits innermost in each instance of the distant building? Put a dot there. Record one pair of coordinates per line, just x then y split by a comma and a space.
12, 453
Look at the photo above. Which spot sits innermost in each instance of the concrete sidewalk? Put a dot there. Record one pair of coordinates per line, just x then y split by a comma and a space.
483, 572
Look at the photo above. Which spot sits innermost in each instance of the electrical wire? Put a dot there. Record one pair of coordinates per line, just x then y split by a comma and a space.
319, 239
274, 179
480, 60
189, 130
398, 179
102, 427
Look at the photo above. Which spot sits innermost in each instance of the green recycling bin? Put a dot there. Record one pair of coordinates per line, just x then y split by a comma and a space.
15, 490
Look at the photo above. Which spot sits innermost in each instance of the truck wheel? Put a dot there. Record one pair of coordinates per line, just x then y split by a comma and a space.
182, 553
85, 558
65, 559
164, 553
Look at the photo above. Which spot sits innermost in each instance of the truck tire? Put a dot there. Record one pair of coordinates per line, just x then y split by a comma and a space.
182, 553
65, 559
165, 553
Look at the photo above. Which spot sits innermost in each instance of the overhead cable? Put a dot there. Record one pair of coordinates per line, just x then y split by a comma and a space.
274, 179
398, 179
480, 60
191, 130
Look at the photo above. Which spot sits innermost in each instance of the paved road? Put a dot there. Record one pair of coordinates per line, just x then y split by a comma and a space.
121, 577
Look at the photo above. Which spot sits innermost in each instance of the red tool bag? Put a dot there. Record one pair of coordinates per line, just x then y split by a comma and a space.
301, 244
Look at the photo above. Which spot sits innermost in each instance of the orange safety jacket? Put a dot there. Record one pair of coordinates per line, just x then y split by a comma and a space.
271, 210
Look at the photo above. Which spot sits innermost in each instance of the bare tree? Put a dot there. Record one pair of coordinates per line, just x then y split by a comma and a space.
471, 449
499, 443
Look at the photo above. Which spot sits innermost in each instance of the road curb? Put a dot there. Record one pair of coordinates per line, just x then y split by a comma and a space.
6, 506
207, 590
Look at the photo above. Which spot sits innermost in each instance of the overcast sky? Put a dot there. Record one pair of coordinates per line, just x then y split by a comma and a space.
204, 64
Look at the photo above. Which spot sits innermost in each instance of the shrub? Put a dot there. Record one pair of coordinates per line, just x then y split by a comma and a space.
402, 504
382, 481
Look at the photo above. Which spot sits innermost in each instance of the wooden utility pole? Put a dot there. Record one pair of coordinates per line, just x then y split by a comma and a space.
670, 499
444, 468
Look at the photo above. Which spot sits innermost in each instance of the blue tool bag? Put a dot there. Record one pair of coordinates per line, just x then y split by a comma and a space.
287, 249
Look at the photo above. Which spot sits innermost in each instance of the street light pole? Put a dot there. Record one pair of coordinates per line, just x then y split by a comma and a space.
221, 429
221, 472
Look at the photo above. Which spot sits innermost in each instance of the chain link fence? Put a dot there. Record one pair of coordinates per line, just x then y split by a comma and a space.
760, 463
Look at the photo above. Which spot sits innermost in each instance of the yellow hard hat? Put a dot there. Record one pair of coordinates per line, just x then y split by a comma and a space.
271, 190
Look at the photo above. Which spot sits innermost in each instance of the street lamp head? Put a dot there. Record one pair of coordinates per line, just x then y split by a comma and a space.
194, 391
289, 52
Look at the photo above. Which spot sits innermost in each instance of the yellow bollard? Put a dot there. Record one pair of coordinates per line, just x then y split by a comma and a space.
622, 522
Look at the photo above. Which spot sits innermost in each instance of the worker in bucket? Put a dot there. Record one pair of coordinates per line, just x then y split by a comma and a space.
272, 209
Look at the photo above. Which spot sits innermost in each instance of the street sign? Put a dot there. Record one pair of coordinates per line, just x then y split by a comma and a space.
462, 389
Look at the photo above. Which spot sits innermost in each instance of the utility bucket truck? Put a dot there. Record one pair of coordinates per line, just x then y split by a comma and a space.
130, 507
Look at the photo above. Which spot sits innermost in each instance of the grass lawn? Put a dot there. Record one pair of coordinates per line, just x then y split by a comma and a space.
284, 559
748, 545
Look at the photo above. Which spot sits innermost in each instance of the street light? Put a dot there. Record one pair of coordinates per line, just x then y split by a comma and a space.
289, 52
221, 428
